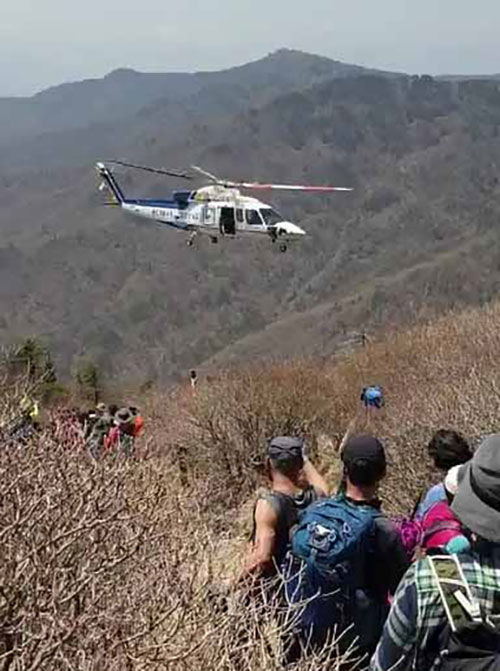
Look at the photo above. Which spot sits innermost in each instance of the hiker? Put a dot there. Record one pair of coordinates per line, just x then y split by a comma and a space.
26, 422
295, 483
30, 409
446, 449
138, 422
98, 429
372, 397
92, 417
351, 555
123, 432
193, 378
445, 609
440, 526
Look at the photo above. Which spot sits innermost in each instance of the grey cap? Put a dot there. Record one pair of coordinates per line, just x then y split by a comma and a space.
477, 501
285, 446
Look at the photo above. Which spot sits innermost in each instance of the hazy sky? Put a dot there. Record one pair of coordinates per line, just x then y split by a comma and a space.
45, 42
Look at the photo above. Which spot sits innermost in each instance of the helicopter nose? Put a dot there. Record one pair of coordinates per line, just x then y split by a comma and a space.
287, 228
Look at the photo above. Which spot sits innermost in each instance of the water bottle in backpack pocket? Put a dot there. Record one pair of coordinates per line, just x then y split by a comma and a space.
325, 565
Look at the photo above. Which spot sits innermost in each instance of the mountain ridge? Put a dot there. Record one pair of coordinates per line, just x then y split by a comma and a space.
422, 155
124, 92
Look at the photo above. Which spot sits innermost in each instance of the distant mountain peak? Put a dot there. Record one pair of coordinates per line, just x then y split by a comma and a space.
122, 73
285, 53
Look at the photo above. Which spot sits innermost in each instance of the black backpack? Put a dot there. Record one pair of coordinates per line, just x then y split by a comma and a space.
470, 642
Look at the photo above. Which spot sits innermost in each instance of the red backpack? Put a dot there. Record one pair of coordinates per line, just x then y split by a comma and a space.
439, 526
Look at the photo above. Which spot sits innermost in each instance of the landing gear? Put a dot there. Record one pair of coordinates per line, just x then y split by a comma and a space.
214, 239
283, 247
190, 240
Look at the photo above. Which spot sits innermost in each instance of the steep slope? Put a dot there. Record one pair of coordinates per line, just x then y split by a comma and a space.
420, 228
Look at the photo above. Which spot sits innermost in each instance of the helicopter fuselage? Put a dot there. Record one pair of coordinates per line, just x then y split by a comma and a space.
213, 210
217, 217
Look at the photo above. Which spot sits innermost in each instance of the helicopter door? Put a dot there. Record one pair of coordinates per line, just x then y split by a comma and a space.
227, 222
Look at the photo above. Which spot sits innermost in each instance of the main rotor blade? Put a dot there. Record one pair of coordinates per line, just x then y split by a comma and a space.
158, 171
287, 187
208, 174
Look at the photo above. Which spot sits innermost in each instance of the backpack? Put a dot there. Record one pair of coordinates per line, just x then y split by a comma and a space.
410, 529
410, 532
439, 520
329, 547
470, 641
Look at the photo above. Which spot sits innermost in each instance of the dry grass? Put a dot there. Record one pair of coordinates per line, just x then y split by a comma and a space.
121, 565
437, 375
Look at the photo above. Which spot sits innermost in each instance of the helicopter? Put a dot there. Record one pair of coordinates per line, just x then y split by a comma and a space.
218, 209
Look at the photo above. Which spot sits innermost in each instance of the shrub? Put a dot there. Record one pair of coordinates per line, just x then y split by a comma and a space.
118, 564
436, 375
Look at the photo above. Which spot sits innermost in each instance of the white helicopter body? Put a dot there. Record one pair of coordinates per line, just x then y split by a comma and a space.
218, 210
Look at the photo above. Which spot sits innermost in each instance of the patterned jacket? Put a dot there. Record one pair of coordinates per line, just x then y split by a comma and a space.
412, 636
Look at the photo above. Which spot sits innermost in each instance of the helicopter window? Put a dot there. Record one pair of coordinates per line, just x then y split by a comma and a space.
239, 216
270, 216
253, 218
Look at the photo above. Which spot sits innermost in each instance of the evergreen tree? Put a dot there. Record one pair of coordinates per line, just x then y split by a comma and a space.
88, 379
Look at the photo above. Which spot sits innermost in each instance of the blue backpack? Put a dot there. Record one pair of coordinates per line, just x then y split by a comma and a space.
329, 550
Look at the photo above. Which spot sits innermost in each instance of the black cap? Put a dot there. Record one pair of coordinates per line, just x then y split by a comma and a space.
364, 448
285, 446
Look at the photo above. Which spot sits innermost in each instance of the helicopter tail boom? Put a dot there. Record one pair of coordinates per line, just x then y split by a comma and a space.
110, 183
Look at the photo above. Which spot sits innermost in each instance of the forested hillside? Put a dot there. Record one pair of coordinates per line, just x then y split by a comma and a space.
419, 229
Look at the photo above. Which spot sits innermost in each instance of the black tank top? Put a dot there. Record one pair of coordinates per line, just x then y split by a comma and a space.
287, 509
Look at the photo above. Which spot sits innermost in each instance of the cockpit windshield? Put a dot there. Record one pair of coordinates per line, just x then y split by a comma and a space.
270, 216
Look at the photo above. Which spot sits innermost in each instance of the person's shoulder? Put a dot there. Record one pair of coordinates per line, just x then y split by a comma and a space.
265, 512
434, 494
385, 524
387, 532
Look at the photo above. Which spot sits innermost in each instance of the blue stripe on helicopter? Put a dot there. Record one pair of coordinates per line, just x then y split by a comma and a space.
153, 203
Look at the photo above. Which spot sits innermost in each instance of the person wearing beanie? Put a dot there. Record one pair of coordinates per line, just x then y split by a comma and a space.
425, 610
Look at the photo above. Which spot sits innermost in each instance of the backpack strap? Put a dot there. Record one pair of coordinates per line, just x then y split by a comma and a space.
417, 503
459, 603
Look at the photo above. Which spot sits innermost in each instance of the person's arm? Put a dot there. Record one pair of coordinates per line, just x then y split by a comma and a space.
315, 479
347, 434
396, 648
260, 559
391, 554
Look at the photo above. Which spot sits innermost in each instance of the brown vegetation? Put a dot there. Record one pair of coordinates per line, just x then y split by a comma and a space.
125, 565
